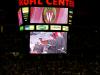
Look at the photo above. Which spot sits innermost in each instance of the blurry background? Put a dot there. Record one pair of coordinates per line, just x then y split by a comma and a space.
10, 37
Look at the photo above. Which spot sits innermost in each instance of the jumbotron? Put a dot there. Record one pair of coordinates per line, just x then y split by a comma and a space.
42, 2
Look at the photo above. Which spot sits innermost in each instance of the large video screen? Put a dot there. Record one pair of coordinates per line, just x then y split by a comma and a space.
49, 15
48, 42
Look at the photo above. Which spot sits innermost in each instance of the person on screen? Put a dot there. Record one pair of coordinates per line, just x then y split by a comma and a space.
44, 44
59, 44
38, 48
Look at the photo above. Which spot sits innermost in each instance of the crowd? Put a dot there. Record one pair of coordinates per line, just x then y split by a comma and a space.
11, 65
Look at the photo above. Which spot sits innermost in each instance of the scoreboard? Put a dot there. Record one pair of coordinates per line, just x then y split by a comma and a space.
47, 22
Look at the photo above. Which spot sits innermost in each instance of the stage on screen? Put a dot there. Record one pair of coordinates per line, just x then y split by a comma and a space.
48, 42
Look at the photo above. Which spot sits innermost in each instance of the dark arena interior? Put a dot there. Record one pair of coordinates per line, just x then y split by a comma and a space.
82, 57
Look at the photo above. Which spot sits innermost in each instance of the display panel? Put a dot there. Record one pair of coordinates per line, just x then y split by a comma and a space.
49, 15
25, 11
55, 27
65, 28
48, 42
32, 27
29, 27
20, 20
21, 28
42, 27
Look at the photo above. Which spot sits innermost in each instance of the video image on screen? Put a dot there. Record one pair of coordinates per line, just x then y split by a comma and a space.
48, 42
49, 15
20, 17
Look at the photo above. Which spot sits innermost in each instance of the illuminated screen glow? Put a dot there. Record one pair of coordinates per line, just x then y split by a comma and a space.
55, 27
42, 27
21, 28
65, 28
29, 27
20, 20
49, 15
32, 27
25, 11
48, 42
